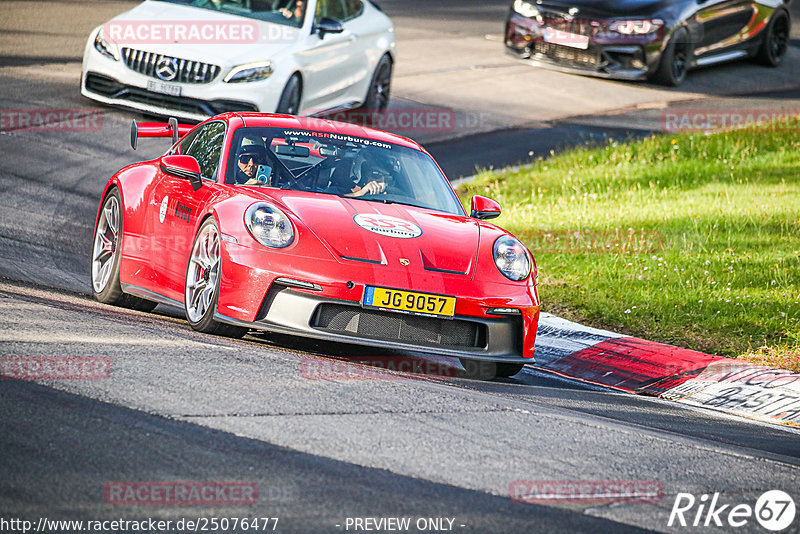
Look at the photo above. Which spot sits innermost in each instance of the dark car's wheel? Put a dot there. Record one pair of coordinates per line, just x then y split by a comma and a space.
106, 257
202, 284
289, 103
675, 60
776, 40
488, 370
380, 88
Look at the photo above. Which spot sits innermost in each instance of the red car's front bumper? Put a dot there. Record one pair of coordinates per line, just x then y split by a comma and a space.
267, 299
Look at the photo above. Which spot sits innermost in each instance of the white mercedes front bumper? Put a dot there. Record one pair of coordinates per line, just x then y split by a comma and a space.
112, 82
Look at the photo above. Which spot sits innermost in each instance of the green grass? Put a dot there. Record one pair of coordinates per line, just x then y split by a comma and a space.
692, 240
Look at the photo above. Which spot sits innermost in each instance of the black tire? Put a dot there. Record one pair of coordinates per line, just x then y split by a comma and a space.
675, 60
202, 319
776, 39
380, 87
483, 370
289, 104
106, 259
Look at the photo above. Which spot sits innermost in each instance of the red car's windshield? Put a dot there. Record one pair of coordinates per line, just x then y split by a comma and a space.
330, 163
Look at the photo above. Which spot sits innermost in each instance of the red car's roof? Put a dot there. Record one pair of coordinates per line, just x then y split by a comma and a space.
320, 125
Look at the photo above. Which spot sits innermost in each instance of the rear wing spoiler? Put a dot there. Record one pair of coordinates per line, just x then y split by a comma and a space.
158, 129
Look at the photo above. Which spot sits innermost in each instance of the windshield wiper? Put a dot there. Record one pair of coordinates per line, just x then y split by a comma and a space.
381, 200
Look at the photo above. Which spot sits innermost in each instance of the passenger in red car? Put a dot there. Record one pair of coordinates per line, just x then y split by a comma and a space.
376, 174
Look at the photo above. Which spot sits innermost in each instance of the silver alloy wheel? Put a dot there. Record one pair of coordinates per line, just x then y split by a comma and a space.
106, 244
201, 277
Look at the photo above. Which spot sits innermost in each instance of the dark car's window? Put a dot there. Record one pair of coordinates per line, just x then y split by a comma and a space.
206, 147
335, 164
286, 12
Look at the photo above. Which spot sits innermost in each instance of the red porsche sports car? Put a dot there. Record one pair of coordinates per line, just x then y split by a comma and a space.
314, 228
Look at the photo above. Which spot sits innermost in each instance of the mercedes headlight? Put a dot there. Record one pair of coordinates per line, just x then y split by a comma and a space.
104, 47
251, 72
511, 258
269, 225
636, 27
526, 9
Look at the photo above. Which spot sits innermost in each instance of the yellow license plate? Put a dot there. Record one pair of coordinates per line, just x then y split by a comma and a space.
409, 301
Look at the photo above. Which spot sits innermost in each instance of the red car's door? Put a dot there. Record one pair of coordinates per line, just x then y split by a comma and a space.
175, 207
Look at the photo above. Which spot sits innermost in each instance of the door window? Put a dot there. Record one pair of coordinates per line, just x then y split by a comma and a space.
206, 147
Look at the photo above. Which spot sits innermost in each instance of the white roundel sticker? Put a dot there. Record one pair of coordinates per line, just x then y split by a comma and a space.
163, 213
388, 226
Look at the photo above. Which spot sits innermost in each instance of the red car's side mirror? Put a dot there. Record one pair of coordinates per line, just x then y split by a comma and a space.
484, 208
182, 166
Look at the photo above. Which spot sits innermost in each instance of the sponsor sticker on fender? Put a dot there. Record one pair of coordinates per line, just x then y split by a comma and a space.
388, 226
162, 213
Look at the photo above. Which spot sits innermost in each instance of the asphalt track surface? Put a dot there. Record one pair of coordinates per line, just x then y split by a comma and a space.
183, 406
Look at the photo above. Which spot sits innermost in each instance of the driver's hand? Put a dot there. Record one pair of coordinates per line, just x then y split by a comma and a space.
254, 181
372, 188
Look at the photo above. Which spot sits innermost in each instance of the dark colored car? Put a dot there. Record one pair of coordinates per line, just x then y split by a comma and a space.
657, 40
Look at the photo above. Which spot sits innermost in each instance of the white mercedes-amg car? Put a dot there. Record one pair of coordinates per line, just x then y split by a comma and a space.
193, 59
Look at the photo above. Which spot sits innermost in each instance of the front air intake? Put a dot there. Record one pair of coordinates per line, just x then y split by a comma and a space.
389, 326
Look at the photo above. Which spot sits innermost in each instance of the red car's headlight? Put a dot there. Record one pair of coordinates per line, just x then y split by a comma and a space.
268, 225
511, 258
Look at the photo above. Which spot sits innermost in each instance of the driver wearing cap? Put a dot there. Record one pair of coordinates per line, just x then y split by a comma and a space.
248, 159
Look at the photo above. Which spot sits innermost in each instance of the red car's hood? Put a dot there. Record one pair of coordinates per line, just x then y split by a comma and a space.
389, 234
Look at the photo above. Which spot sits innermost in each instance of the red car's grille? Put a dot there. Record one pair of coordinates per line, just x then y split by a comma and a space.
354, 321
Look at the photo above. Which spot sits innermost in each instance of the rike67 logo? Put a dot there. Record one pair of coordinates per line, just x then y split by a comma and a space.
774, 510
